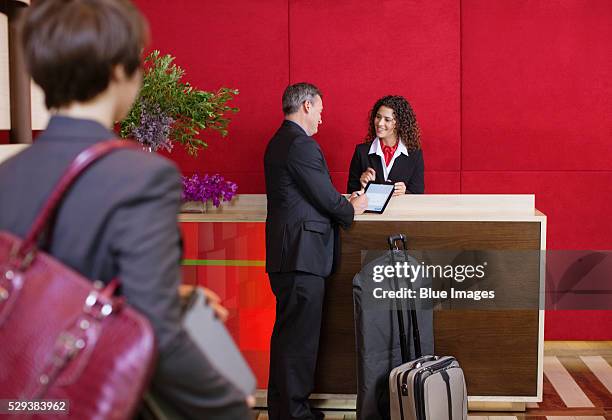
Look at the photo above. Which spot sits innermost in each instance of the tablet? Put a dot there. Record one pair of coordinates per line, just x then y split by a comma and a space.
378, 196
217, 344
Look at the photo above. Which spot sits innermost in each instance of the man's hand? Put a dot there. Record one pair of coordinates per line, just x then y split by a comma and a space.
359, 201
356, 194
211, 298
399, 188
367, 176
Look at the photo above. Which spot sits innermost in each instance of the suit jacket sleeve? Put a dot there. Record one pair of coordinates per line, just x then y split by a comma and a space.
308, 169
416, 183
148, 251
355, 171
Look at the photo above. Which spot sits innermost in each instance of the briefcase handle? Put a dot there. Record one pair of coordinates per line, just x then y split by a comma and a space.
24, 254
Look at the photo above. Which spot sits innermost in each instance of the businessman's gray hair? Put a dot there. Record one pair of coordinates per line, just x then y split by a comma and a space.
295, 95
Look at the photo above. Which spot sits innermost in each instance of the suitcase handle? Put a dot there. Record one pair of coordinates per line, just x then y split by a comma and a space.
393, 239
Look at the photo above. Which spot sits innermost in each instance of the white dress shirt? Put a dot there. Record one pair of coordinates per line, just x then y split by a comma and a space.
377, 149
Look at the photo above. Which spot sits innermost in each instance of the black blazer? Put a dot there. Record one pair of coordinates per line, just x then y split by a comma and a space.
120, 220
409, 169
304, 208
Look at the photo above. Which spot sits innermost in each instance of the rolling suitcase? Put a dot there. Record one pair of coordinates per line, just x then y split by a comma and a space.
377, 338
429, 387
377, 335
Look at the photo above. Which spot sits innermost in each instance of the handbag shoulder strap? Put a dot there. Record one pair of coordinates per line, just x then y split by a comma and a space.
77, 167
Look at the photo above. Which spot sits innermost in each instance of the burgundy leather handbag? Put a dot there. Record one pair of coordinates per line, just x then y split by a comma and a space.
63, 336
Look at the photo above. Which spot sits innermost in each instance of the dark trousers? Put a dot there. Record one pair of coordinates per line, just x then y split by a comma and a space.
294, 344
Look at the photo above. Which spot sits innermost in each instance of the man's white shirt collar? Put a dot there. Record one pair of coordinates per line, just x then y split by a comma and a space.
376, 149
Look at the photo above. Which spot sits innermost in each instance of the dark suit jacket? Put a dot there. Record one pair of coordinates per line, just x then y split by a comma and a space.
120, 220
407, 169
303, 206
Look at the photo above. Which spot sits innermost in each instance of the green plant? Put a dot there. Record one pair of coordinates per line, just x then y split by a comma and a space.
168, 109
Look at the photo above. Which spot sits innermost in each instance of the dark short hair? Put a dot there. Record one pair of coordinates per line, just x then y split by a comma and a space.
71, 46
295, 95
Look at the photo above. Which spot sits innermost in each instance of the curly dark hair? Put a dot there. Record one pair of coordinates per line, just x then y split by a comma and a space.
407, 128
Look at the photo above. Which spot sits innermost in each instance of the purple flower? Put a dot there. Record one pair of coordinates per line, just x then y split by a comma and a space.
154, 128
206, 187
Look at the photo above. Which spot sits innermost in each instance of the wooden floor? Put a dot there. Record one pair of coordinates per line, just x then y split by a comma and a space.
577, 386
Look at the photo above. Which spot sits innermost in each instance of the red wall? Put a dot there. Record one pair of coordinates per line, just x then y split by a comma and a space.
512, 97
260, 47
536, 118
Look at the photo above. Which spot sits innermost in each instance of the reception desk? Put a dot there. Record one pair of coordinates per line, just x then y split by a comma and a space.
501, 351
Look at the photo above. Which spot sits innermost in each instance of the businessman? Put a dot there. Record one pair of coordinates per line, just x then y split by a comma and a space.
304, 212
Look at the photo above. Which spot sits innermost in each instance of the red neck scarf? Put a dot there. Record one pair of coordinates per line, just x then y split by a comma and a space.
388, 151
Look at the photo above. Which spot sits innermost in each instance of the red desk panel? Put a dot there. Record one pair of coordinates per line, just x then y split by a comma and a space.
229, 258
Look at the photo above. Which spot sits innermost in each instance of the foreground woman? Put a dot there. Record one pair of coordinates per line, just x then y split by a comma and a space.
120, 218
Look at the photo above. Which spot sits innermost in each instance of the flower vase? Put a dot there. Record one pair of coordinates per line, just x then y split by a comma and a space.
194, 207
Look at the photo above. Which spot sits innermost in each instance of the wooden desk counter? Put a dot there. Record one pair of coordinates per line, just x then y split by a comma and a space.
501, 351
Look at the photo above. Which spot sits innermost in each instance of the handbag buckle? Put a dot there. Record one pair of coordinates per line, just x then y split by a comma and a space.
67, 345
92, 302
